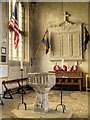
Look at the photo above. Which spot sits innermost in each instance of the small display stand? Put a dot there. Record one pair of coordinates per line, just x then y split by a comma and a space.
22, 92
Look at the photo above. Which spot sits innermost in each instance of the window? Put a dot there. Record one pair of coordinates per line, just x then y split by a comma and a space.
18, 54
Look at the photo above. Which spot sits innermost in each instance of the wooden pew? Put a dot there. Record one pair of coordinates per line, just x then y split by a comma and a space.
14, 86
69, 78
24, 81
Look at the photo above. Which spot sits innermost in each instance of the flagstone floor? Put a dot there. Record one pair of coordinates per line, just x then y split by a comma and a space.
75, 101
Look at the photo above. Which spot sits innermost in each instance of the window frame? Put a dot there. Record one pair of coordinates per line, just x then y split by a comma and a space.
19, 56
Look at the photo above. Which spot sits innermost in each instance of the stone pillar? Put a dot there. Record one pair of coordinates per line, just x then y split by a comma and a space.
41, 102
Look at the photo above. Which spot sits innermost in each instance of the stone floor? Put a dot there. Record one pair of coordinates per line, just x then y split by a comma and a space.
75, 101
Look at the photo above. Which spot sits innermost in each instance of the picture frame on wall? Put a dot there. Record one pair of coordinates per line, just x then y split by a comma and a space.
3, 50
3, 58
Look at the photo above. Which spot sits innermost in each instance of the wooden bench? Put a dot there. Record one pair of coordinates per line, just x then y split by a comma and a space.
14, 86
26, 86
69, 78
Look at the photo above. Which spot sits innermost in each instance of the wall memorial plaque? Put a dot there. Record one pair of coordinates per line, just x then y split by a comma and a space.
66, 41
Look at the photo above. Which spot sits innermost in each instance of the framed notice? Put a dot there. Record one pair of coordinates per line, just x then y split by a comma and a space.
3, 50
3, 58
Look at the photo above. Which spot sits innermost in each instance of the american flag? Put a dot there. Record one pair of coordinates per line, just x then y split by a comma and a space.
14, 25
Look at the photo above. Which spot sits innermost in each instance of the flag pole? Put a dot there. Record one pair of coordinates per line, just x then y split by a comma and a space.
37, 50
33, 58
46, 42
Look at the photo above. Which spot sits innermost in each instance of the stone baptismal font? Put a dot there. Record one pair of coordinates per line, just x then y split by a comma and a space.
41, 83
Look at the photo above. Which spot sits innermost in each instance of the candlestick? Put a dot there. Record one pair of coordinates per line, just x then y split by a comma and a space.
75, 63
21, 64
22, 88
62, 62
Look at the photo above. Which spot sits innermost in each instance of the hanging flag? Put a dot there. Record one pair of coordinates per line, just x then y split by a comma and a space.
14, 25
86, 37
45, 40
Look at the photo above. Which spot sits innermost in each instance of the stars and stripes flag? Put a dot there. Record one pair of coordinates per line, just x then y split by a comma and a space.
14, 25
86, 38
45, 40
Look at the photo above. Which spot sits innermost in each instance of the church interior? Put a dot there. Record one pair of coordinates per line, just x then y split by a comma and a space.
44, 60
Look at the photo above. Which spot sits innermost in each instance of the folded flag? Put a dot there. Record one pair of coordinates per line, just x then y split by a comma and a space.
45, 40
14, 25
86, 37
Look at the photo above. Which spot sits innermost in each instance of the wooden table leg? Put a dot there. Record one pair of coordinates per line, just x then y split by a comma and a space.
80, 85
86, 83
